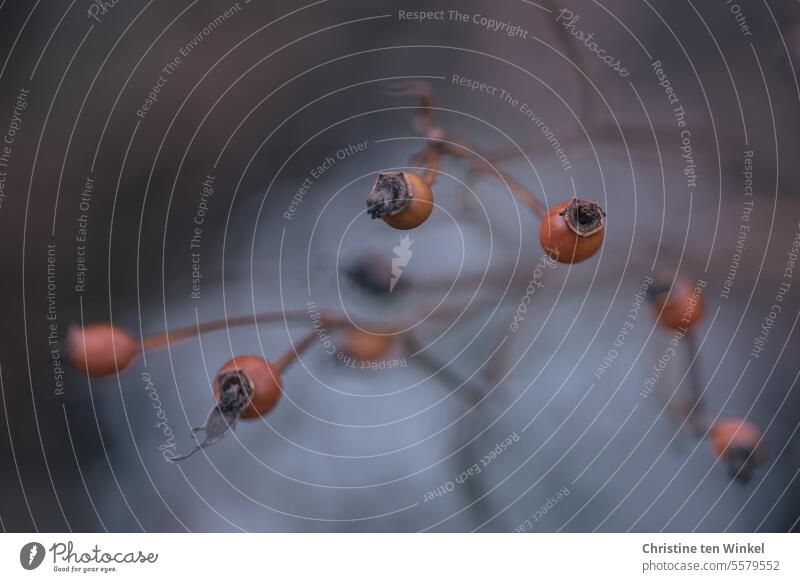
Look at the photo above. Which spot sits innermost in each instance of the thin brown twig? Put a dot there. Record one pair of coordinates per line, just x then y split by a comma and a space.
465, 455
696, 405
423, 121
432, 162
331, 321
600, 130
296, 349
159, 340
470, 394
480, 165
605, 131
431, 154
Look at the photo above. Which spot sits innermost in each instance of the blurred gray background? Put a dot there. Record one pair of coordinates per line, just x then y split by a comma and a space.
262, 100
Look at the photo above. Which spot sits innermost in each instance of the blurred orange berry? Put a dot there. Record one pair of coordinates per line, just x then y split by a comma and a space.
100, 349
739, 443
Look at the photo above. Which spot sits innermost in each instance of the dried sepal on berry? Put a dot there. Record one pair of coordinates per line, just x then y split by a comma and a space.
224, 415
246, 387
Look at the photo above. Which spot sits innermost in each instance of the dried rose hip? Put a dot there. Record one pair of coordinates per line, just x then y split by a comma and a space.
573, 231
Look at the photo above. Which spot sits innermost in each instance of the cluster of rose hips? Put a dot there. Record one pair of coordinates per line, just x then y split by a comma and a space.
737, 442
246, 387
570, 232
249, 386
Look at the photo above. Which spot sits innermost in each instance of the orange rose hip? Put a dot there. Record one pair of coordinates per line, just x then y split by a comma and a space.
404, 200
260, 380
573, 231
679, 307
365, 346
100, 349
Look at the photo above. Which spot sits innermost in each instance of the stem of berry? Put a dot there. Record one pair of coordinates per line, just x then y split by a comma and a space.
298, 348
696, 405
467, 391
431, 161
466, 455
484, 167
430, 156
294, 352
159, 340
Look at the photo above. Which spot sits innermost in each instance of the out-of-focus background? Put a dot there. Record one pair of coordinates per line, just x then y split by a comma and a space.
256, 96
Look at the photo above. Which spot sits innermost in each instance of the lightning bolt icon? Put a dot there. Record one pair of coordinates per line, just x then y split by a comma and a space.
402, 255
